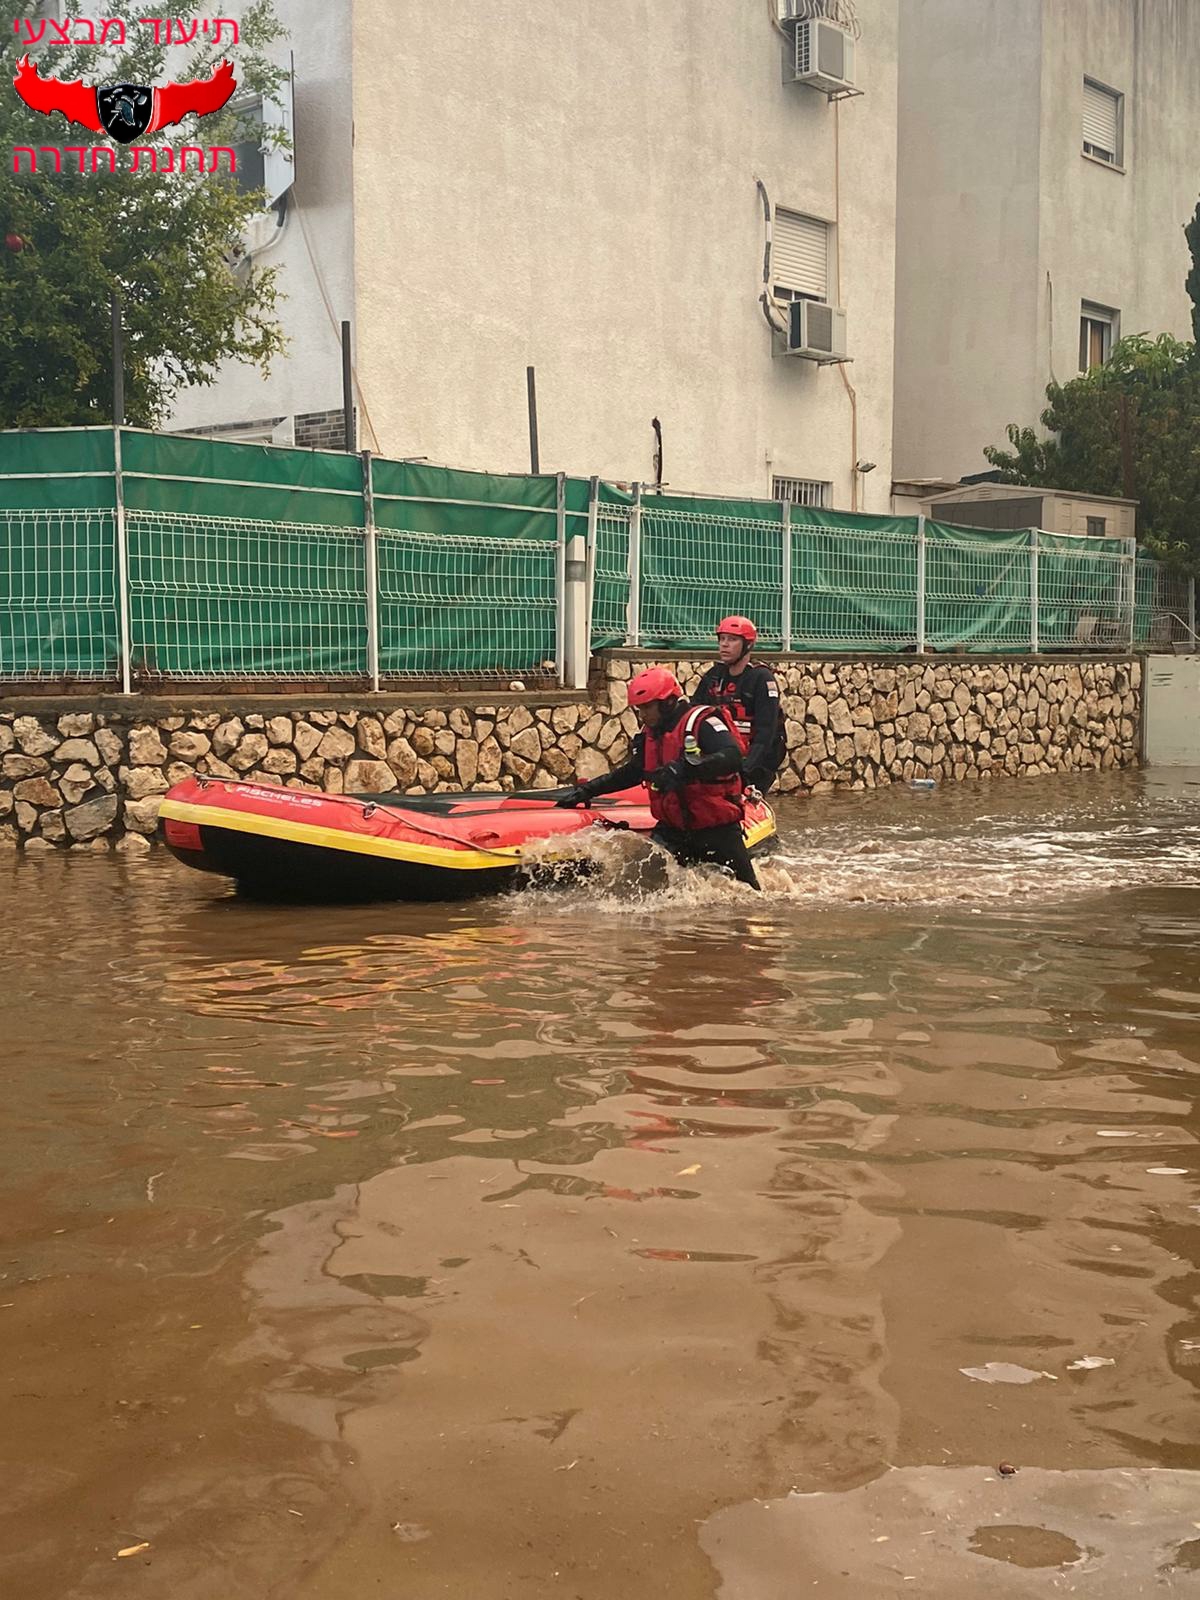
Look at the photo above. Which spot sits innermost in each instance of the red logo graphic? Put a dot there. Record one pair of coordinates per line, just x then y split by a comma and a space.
125, 111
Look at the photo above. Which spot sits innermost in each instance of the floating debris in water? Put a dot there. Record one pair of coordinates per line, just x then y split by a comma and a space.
1004, 1372
1087, 1363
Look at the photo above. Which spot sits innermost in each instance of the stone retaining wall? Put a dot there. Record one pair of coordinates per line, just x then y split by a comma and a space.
90, 779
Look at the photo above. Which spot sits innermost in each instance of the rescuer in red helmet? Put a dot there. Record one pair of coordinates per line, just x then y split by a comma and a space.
690, 757
751, 695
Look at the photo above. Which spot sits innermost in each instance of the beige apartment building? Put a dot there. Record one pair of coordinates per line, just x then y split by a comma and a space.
590, 190
1048, 164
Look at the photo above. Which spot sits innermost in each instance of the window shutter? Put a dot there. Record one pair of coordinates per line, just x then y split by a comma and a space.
800, 254
1100, 118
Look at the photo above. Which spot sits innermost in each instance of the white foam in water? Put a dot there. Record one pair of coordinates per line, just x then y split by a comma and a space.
889, 852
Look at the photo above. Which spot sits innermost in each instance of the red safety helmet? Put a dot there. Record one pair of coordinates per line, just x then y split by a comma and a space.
656, 683
740, 627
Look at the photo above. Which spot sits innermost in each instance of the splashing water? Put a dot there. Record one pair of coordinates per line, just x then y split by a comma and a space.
895, 848
615, 872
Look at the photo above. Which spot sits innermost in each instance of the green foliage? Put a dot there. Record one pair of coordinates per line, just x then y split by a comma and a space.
1192, 234
168, 243
1129, 427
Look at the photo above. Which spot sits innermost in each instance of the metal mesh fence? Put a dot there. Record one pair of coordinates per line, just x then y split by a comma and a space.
246, 563
853, 587
1164, 609
58, 595
608, 593
696, 570
977, 590
1084, 595
213, 597
465, 604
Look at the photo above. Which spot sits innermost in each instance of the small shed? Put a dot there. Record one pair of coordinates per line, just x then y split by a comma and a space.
1013, 505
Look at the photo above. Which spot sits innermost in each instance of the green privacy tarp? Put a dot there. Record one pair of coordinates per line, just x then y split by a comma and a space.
977, 588
465, 605
467, 566
424, 499
694, 573
260, 483
235, 601
56, 468
1084, 591
853, 579
58, 609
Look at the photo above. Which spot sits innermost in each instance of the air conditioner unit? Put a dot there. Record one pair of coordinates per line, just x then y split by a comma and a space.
823, 55
816, 331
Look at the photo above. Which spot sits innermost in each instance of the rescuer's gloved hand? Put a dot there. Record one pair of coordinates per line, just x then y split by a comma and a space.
580, 795
669, 778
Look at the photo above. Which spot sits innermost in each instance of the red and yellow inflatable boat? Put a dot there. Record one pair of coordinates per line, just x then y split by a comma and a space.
298, 844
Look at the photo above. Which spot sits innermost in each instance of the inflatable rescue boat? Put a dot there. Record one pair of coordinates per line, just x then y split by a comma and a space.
298, 844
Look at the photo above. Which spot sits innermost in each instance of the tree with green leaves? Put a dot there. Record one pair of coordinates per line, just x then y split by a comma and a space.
1130, 428
1192, 234
168, 244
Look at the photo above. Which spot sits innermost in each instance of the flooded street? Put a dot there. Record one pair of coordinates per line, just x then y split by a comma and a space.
595, 1246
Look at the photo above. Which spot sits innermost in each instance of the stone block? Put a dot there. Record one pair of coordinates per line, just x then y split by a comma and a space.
250, 752
142, 781
33, 739
227, 736
36, 792
189, 747
111, 747
15, 766
371, 739
73, 724
142, 815
369, 777
305, 741
93, 817
146, 748
279, 731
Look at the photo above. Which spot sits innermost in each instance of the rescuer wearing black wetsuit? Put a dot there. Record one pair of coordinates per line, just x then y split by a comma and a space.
750, 693
690, 759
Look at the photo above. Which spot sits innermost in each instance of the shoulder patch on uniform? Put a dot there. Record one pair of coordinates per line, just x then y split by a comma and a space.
772, 688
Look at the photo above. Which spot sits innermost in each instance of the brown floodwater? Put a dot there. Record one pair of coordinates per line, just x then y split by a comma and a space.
619, 1241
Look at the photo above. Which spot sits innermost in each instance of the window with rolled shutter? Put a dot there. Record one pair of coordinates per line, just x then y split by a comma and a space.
800, 255
1101, 122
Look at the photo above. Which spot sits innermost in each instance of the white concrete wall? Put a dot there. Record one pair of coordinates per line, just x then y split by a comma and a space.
1172, 711
995, 194
573, 187
1116, 238
308, 377
966, 229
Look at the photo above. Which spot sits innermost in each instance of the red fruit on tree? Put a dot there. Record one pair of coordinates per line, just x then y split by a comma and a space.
14, 242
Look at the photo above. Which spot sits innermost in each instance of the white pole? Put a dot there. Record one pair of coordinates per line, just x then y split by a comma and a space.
921, 558
576, 609
560, 577
633, 616
786, 531
372, 565
1035, 638
589, 575
123, 626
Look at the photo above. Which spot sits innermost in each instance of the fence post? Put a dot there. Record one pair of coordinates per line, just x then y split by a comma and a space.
122, 569
372, 568
786, 531
921, 549
1035, 637
560, 577
633, 614
589, 571
1192, 612
578, 637
1130, 604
